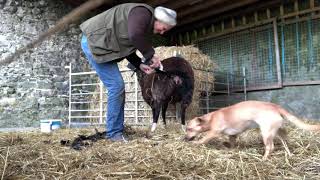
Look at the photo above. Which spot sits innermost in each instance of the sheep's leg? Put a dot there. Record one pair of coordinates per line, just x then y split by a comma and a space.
164, 110
155, 113
183, 116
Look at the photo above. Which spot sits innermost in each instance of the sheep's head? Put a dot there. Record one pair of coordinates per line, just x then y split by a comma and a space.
177, 80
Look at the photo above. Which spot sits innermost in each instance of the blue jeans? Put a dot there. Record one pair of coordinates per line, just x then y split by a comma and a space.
111, 77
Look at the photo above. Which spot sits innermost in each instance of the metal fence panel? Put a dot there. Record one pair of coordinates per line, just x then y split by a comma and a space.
252, 49
300, 48
256, 49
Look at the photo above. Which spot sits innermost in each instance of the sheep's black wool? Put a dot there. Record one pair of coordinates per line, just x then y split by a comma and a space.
176, 85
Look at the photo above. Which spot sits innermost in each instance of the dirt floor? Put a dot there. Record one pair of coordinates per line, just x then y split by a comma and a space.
35, 155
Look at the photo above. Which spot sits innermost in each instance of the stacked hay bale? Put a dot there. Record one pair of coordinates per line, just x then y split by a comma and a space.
204, 79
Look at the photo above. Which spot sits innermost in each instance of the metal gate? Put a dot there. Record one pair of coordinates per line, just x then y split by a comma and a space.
88, 100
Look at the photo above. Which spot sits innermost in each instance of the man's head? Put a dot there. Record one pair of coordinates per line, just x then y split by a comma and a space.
165, 20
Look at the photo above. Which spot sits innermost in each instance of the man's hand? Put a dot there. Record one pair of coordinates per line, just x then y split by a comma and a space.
146, 69
155, 62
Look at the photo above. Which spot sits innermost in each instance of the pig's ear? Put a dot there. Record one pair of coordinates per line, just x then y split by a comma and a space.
200, 120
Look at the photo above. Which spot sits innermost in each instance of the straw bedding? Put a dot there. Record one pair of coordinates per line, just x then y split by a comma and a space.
34, 155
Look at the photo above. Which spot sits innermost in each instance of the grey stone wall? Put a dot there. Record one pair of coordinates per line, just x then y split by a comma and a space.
302, 101
35, 85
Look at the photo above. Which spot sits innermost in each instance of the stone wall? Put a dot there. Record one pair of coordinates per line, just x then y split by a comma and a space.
35, 85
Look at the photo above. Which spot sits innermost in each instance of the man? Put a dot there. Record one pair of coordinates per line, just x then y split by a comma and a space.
114, 35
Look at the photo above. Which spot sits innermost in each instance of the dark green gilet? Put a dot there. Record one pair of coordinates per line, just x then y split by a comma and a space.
107, 33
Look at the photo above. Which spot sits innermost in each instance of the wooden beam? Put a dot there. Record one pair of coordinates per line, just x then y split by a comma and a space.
236, 29
179, 4
242, 12
210, 12
300, 13
155, 2
198, 7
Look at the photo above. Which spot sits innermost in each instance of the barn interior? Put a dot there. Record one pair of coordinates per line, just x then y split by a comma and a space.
243, 50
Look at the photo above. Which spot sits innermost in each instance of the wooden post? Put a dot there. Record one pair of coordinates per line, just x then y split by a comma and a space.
296, 7
233, 24
222, 25
244, 20
276, 48
188, 37
212, 28
180, 39
312, 6
268, 13
204, 32
281, 10
256, 19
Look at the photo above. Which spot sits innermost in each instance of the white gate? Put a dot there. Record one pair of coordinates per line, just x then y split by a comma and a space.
88, 102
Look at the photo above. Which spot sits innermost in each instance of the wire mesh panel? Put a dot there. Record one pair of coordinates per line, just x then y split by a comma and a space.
227, 89
251, 48
300, 51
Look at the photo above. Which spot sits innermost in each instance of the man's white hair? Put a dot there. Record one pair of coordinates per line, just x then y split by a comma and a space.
166, 15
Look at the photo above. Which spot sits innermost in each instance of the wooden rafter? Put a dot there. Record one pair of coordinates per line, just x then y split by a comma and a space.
155, 2
210, 12
248, 9
180, 4
199, 7
196, 12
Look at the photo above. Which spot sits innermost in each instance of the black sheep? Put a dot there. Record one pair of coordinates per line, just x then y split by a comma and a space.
174, 85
